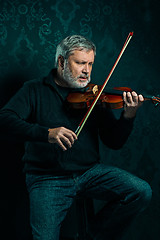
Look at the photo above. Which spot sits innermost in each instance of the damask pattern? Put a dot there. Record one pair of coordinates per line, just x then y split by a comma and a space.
31, 29
31, 23
40, 25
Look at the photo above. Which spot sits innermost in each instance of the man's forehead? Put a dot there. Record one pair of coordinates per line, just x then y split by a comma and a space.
85, 54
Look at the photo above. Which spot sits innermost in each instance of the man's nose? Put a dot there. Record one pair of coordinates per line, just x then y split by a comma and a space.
86, 68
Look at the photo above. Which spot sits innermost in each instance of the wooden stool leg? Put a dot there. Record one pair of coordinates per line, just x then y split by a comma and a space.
85, 211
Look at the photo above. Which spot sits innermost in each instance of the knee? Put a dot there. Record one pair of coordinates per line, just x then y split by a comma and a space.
145, 194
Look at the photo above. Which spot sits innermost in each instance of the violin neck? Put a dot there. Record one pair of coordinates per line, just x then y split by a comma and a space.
118, 91
149, 97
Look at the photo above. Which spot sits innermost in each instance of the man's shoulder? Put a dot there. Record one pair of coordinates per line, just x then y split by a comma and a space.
40, 82
34, 82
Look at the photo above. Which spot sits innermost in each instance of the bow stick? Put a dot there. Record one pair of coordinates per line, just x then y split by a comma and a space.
80, 126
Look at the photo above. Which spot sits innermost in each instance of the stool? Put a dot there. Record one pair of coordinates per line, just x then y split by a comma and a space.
75, 225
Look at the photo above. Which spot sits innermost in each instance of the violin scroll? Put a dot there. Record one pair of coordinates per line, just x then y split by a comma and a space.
156, 100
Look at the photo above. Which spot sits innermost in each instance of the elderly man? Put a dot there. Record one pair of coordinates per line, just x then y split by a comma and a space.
58, 165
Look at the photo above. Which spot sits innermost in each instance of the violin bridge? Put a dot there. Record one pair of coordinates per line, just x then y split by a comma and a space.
95, 89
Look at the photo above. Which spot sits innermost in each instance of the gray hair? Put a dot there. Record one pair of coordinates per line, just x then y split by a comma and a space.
75, 42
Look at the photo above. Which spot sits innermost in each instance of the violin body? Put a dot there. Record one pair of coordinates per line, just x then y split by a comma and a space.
83, 100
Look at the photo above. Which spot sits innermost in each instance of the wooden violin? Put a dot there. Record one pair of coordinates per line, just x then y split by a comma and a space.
94, 94
109, 98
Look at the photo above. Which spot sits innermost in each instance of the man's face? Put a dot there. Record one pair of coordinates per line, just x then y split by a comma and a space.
78, 67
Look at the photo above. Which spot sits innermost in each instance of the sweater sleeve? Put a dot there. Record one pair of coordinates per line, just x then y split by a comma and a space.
15, 118
114, 132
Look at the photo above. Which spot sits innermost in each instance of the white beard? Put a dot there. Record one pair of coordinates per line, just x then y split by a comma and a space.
72, 81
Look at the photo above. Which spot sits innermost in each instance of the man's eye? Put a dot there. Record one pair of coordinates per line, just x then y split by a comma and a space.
83, 63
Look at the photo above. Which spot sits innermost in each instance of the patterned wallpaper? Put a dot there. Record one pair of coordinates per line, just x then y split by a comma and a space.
29, 33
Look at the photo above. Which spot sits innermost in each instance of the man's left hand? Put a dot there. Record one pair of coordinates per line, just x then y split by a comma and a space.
132, 101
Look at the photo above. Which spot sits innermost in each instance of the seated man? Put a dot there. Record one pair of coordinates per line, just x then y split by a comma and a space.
58, 165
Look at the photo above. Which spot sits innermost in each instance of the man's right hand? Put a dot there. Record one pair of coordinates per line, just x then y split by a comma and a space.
62, 136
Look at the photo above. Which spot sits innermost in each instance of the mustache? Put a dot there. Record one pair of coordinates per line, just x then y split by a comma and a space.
84, 76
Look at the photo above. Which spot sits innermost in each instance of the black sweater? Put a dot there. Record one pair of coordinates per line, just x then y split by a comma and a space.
39, 105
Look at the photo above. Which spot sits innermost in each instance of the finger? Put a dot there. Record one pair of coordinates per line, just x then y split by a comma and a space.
66, 141
71, 135
134, 97
124, 97
141, 98
129, 97
61, 145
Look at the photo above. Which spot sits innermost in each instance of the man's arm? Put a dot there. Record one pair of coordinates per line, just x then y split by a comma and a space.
115, 132
14, 118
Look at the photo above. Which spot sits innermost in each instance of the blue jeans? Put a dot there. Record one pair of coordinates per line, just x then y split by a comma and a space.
51, 197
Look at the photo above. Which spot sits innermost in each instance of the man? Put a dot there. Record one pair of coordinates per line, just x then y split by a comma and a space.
60, 167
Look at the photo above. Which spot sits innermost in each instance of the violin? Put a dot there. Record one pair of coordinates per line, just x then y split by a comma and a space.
94, 94
111, 99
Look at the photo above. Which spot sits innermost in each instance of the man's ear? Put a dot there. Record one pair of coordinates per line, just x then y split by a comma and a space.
61, 61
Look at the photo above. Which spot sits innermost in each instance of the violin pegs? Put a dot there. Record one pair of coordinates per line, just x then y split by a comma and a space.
156, 104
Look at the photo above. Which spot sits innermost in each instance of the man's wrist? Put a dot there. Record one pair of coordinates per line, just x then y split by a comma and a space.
129, 115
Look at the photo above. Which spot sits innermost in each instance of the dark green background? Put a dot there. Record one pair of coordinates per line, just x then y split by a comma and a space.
29, 33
